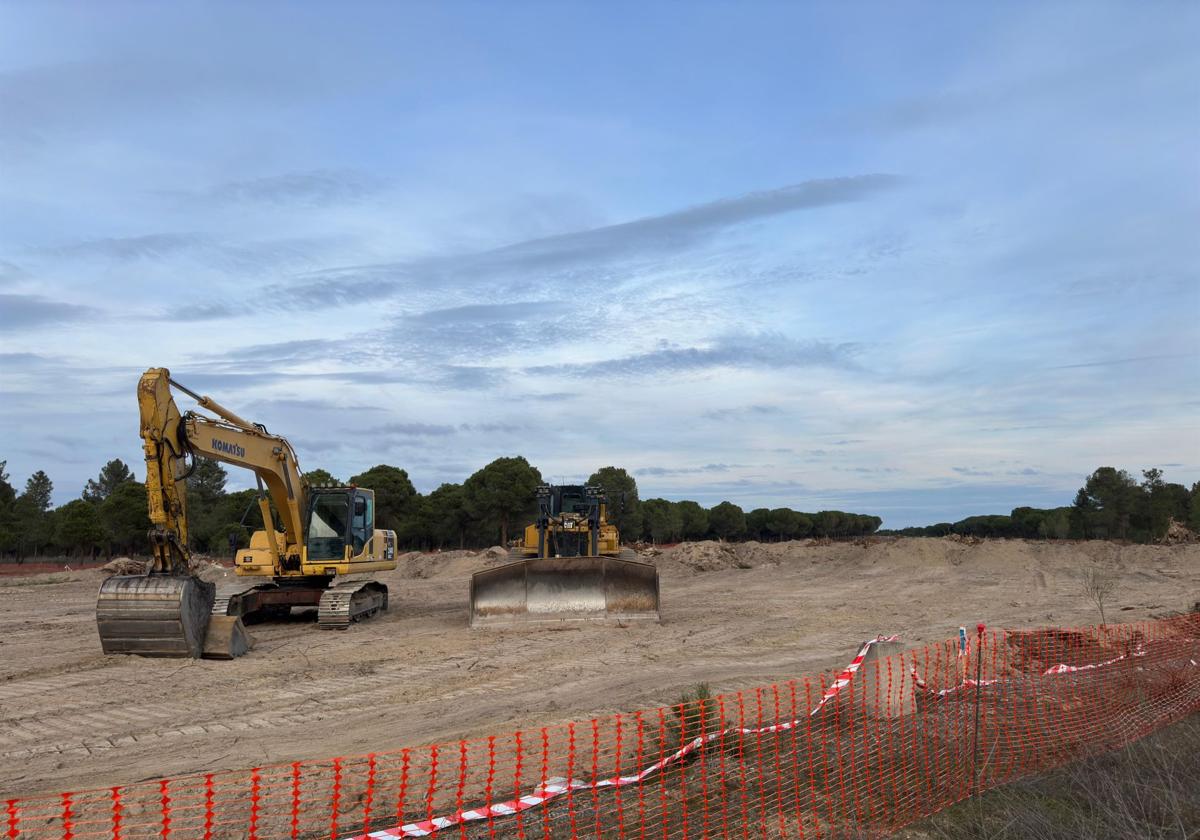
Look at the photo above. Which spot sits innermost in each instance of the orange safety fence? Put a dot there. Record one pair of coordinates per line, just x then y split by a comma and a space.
889, 740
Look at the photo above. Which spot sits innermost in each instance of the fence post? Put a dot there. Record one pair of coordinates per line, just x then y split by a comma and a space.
979, 628
899, 698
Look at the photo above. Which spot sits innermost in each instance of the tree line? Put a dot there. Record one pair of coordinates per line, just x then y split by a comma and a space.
492, 505
496, 502
1111, 504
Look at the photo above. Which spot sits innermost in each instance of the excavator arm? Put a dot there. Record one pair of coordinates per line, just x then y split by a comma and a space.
172, 440
166, 612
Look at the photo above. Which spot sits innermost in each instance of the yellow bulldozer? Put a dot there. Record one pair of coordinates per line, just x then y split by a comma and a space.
569, 567
323, 535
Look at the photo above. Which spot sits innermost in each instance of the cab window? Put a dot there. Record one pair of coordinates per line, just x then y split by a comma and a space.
360, 528
328, 526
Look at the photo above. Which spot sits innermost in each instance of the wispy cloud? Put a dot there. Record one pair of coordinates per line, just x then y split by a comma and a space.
11, 272
149, 246
412, 430
1128, 361
203, 312
193, 248
25, 312
318, 188
667, 471
660, 235
744, 411
768, 351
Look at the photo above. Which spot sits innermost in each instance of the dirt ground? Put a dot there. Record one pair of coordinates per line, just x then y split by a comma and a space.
733, 616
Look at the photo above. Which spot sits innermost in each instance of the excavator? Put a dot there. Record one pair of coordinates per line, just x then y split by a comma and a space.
570, 567
323, 535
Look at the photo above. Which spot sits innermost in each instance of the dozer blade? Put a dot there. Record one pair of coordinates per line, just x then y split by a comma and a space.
564, 589
154, 615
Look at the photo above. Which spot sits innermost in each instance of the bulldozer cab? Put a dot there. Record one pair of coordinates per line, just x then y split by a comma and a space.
570, 567
574, 500
568, 521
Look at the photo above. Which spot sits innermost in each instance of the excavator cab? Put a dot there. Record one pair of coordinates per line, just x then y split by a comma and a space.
338, 519
571, 567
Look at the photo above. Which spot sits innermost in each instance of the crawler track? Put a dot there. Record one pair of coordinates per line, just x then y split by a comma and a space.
349, 601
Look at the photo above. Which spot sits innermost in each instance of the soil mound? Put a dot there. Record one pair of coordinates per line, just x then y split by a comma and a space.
125, 566
1178, 534
704, 556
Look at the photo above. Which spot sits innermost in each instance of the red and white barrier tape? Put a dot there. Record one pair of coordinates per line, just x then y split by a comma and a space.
1060, 668
553, 788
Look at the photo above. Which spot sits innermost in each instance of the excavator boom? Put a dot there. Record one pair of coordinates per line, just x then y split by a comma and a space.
171, 612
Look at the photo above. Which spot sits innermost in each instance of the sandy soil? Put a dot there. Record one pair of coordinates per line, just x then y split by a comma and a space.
734, 616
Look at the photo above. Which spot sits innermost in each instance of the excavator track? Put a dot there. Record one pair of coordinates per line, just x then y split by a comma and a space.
350, 600
257, 603
227, 594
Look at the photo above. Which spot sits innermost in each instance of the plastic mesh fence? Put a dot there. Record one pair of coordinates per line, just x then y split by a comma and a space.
860, 753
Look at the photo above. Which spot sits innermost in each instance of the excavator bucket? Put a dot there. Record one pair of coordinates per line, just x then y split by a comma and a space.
154, 615
226, 638
550, 590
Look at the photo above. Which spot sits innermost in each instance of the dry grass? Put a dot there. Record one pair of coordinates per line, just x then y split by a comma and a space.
1149, 790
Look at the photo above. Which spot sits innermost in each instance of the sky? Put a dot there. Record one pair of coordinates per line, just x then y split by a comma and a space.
917, 260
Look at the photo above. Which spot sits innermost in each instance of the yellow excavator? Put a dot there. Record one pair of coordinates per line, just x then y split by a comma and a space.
570, 567
324, 534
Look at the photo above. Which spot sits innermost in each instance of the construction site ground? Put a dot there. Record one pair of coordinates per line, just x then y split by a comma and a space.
734, 616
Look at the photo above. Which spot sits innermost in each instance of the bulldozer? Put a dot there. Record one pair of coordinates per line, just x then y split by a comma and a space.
569, 567
324, 534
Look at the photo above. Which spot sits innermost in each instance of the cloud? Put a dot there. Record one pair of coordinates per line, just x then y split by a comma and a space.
316, 404
971, 471
552, 396
68, 99
707, 468
149, 246
1049, 85
286, 352
202, 312
466, 377
492, 427
411, 430
683, 228
743, 411
11, 273
201, 249
768, 351
314, 188
491, 313
661, 235
27, 361
1127, 361
465, 334
22, 312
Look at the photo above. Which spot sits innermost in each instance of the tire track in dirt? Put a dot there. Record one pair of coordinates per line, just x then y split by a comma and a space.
71, 718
